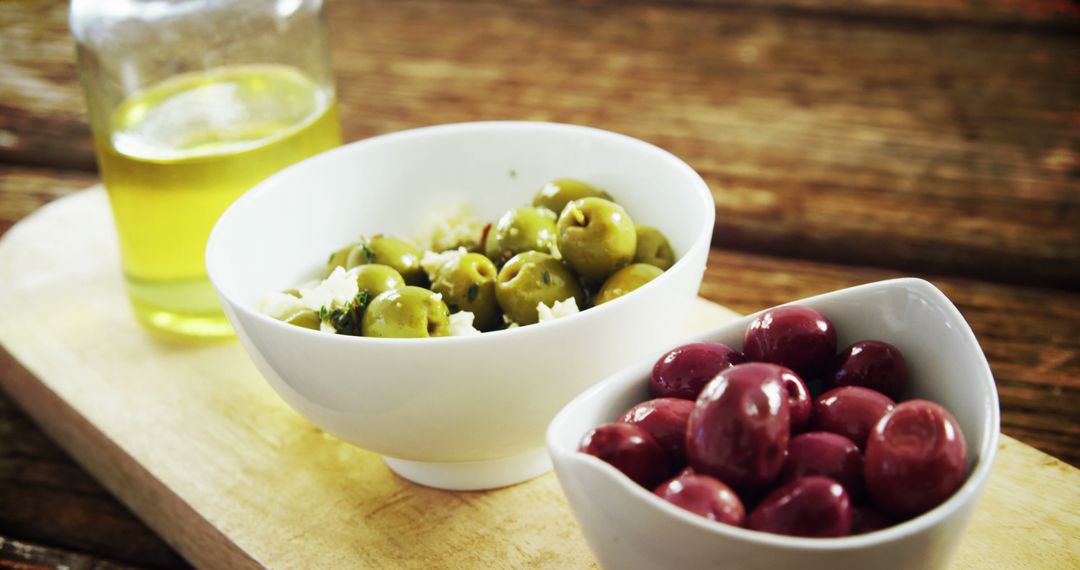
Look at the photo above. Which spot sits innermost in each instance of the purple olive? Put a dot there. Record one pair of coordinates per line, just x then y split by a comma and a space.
665, 419
739, 429
850, 411
631, 450
871, 364
915, 459
810, 506
705, 496
799, 401
866, 519
794, 336
684, 371
827, 455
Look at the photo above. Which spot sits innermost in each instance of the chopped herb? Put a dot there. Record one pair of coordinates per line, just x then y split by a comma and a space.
474, 290
324, 313
367, 253
547, 278
347, 320
513, 173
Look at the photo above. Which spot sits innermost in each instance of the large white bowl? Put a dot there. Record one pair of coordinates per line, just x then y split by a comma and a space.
628, 527
457, 412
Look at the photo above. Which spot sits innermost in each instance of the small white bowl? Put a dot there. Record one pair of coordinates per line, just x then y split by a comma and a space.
457, 412
629, 527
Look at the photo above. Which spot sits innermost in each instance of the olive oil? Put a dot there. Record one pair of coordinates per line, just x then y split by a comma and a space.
178, 154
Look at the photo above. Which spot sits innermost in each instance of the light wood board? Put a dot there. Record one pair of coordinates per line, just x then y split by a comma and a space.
199, 446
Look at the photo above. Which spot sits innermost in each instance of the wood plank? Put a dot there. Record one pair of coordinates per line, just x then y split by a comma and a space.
24, 189
19, 555
42, 113
48, 499
949, 150
1040, 14
199, 446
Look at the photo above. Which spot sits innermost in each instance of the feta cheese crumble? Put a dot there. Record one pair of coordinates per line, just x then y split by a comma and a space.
451, 228
335, 292
280, 305
432, 262
461, 324
557, 310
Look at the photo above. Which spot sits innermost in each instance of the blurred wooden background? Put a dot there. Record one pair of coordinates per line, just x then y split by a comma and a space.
845, 142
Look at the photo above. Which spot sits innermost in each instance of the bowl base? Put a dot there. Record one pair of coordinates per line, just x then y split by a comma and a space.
474, 475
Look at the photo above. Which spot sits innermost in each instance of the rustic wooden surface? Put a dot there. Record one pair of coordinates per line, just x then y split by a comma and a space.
204, 451
845, 141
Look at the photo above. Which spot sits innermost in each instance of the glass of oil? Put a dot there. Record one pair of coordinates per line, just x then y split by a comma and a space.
193, 102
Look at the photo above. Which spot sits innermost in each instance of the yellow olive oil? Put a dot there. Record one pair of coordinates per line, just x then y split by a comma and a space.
178, 154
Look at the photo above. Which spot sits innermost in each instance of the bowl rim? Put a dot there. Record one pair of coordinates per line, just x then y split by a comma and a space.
630, 378
701, 241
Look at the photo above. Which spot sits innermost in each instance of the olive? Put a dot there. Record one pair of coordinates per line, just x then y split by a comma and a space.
653, 247
630, 449
740, 426
794, 336
626, 280
665, 419
915, 459
685, 370
306, 318
403, 256
810, 506
376, 278
866, 519
596, 237
519, 230
871, 364
531, 278
556, 194
467, 283
802, 407
704, 496
408, 312
827, 455
851, 411
339, 258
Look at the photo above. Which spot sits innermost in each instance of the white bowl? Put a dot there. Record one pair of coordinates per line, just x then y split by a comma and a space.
455, 412
629, 527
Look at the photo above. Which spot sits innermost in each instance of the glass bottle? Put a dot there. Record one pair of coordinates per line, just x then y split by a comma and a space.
192, 102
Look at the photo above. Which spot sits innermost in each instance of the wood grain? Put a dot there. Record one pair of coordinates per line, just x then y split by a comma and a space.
24, 189
47, 498
936, 138
196, 443
19, 555
943, 149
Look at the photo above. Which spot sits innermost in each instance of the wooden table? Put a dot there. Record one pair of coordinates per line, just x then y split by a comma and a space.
845, 142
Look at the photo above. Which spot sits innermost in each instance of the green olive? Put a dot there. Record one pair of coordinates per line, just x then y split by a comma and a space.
521, 229
305, 318
531, 278
467, 283
408, 312
626, 280
596, 237
339, 259
399, 254
653, 247
557, 193
376, 278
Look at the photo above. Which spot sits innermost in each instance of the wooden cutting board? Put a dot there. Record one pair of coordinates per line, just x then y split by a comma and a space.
200, 447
